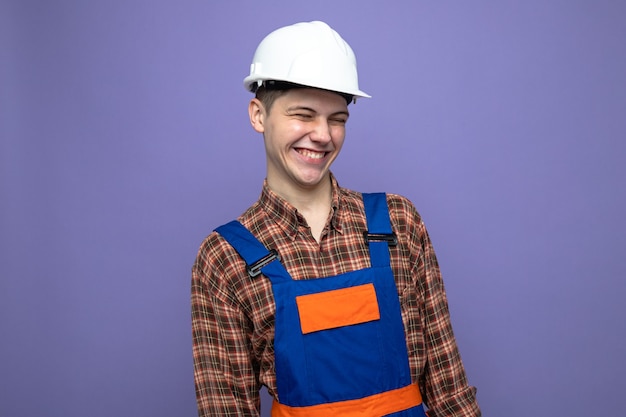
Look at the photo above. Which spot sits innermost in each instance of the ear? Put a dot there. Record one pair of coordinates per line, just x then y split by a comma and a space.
256, 111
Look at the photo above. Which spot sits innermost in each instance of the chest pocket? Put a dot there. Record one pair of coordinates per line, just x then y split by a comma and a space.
337, 308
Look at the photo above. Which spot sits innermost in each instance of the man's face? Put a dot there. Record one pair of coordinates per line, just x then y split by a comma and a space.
304, 133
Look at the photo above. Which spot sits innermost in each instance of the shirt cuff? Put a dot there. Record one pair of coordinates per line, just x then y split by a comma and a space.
462, 404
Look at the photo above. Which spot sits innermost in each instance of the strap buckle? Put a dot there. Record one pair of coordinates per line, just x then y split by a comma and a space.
254, 270
390, 238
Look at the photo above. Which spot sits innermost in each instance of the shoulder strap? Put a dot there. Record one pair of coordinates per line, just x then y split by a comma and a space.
379, 234
257, 257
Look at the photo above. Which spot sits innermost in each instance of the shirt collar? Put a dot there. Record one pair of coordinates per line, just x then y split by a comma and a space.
287, 216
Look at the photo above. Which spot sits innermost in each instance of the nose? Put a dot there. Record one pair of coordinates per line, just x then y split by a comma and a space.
321, 131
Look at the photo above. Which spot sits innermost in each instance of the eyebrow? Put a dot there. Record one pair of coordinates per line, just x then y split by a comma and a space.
296, 108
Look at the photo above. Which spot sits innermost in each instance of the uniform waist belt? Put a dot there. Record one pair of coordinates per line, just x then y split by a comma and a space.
375, 405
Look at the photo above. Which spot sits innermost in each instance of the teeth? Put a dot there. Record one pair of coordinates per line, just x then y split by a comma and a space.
311, 154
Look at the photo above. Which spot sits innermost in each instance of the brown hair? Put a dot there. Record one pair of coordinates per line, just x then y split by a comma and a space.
267, 96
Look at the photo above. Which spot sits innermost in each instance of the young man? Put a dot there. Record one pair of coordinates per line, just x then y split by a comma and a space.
330, 298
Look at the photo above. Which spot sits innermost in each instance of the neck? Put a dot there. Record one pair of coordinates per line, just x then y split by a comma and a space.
313, 203
305, 198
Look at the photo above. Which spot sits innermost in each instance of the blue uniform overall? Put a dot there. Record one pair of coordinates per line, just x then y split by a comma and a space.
340, 347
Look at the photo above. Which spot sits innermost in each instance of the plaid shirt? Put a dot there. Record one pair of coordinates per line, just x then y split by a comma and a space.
233, 314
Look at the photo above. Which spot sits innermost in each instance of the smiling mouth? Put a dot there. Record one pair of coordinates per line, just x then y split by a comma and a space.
311, 154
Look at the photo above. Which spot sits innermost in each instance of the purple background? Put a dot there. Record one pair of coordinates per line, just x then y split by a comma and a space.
125, 140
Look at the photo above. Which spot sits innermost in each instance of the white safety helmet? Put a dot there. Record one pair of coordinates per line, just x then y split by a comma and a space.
310, 54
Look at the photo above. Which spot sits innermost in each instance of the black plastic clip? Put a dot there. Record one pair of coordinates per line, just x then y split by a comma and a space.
255, 269
390, 238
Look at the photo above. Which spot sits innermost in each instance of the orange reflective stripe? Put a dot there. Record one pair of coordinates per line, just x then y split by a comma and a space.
337, 308
375, 405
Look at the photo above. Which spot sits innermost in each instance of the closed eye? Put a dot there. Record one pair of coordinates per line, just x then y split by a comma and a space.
338, 120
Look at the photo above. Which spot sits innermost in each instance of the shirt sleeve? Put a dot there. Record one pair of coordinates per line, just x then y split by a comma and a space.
447, 392
434, 355
226, 378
